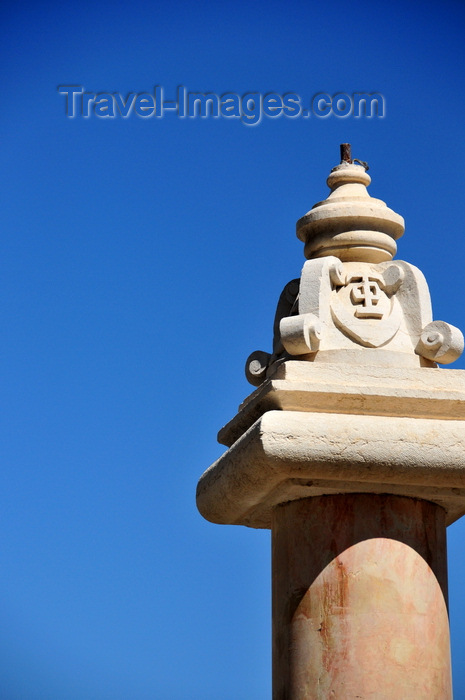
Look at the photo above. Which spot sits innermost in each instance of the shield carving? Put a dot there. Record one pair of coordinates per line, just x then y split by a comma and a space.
362, 310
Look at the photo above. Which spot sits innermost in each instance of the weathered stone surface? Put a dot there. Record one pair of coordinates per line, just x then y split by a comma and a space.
360, 600
357, 389
314, 429
289, 455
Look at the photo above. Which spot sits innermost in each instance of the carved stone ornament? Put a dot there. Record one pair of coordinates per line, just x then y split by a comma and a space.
352, 303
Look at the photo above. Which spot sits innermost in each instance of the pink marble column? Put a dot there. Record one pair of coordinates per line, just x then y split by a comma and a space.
360, 599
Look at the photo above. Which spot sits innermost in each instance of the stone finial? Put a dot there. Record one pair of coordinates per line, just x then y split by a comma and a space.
350, 224
353, 303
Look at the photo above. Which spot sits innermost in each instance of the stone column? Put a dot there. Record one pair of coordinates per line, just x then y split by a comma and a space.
360, 599
352, 451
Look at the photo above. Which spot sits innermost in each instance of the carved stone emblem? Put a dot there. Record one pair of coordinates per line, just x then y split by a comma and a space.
363, 306
368, 296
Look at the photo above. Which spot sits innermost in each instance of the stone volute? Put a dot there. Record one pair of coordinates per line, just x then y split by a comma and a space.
352, 451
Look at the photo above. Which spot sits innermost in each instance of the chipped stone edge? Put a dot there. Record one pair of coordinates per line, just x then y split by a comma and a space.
287, 455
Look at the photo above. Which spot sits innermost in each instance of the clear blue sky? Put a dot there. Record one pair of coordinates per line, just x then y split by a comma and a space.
140, 263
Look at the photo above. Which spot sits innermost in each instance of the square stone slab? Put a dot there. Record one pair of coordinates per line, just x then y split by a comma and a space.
320, 428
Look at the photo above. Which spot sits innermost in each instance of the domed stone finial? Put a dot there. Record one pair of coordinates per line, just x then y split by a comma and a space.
350, 224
